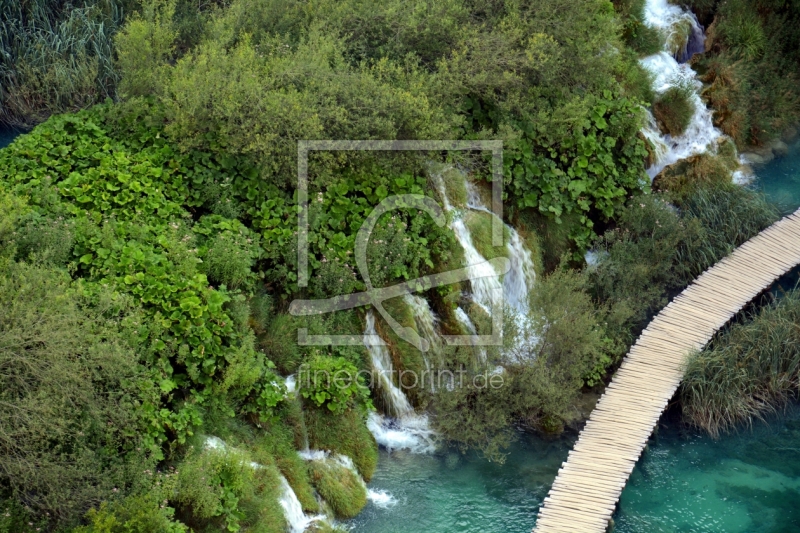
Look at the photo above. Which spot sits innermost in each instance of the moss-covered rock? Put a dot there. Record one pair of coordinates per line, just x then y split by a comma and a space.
344, 434
339, 486
708, 168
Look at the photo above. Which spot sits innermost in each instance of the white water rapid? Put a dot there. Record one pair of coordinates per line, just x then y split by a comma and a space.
403, 428
683, 38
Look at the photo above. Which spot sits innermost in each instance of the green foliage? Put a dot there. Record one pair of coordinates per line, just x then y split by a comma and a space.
742, 32
593, 170
144, 46
748, 371
333, 382
136, 236
674, 108
643, 39
752, 69
210, 485
345, 434
57, 57
70, 434
656, 250
339, 486
142, 512
729, 215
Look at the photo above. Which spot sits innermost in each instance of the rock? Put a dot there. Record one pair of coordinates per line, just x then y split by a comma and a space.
789, 135
753, 158
779, 148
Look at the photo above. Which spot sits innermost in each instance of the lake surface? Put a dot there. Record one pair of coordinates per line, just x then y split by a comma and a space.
780, 179
685, 482
6, 136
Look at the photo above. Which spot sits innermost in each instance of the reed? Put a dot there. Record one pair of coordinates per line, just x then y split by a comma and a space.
749, 370
58, 57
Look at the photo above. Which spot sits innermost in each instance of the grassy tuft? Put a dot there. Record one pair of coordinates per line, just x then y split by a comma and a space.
749, 371
674, 109
345, 434
339, 486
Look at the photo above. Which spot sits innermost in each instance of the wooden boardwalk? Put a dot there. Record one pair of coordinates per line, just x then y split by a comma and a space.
587, 488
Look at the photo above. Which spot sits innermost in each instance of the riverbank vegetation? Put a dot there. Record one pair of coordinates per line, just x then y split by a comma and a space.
749, 371
148, 243
751, 67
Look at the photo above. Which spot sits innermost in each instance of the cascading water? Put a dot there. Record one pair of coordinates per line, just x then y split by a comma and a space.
296, 519
426, 327
516, 283
683, 38
466, 321
403, 428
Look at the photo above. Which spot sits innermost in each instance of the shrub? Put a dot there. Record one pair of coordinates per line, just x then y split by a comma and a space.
70, 436
334, 383
144, 512
674, 108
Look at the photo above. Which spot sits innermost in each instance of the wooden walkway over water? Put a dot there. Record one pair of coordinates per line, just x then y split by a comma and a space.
587, 488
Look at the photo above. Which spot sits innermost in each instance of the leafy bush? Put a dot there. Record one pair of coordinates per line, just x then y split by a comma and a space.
334, 383
71, 435
601, 163
143, 512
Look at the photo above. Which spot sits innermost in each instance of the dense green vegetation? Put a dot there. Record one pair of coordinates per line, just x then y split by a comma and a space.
753, 66
148, 239
750, 370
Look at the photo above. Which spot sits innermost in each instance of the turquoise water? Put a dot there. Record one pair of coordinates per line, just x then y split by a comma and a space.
685, 482
453, 493
746, 482
780, 179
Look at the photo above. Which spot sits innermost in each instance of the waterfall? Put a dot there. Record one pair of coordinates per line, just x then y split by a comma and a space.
403, 428
297, 520
463, 317
683, 38
395, 401
291, 384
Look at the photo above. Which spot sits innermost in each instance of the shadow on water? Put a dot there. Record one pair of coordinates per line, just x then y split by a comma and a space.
7, 135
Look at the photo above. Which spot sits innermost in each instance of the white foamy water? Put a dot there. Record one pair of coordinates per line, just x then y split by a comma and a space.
403, 428
291, 384
684, 37
296, 519
466, 321
381, 498
411, 433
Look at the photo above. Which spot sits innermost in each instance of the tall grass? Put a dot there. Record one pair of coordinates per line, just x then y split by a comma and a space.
749, 371
57, 56
729, 215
